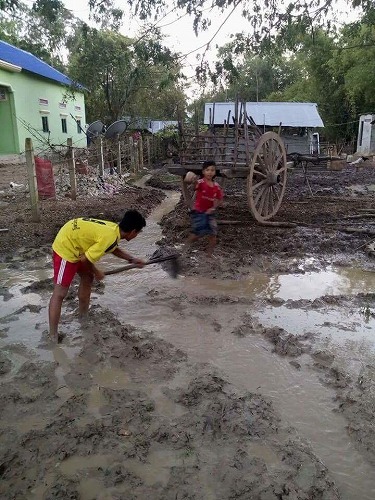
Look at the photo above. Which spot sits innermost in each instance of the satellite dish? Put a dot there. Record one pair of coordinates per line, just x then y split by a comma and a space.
95, 129
117, 128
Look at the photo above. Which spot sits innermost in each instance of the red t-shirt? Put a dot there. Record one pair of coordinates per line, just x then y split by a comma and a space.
206, 195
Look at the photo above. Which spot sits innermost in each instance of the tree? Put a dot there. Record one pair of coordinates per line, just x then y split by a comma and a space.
41, 29
265, 18
356, 59
123, 77
250, 76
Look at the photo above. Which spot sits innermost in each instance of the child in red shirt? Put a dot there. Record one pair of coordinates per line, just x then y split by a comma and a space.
208, 197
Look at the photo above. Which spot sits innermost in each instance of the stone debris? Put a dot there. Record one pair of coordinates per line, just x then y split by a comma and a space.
91, 185
88, 185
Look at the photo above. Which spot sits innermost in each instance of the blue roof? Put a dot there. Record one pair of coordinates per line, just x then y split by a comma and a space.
28, 62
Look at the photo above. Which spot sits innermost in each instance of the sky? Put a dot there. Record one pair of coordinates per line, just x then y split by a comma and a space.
180, 35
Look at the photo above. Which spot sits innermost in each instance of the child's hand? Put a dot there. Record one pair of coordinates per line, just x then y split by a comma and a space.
138, 262
210, 211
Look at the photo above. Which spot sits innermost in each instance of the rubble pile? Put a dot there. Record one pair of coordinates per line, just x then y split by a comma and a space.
90, 184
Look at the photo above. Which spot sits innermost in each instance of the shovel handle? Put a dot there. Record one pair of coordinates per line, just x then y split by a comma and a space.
134, 266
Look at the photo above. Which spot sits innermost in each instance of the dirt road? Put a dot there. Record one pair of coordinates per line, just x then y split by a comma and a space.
252, 376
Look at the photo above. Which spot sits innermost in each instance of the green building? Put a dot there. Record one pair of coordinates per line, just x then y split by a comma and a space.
36, 101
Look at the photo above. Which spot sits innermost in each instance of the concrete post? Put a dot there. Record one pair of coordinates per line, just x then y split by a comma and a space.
31, 175
72, 170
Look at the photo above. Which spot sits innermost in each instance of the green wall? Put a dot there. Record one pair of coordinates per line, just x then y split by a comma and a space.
8, 129
25, 111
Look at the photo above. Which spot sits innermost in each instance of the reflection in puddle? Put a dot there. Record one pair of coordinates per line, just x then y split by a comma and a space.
32, 422
158, 466
72, 465
95, 401
309, 285
336, 325
112, 378
249, 362
164, 405
89, 489
265, 452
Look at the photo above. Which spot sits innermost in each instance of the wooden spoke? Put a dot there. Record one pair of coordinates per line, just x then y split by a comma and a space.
267, 200
281, 170
268, 161
262, 164
257, 172
262, 200
278, 160
272, 199
258, 197
258, 184
274, 189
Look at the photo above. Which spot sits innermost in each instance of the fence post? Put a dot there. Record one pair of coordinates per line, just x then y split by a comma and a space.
101, 159
140, 152
148, 145
131, 151
72, 170
31, 175
136, 157
119, 166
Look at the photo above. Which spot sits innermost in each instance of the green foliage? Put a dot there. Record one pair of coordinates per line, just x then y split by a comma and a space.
124, 78
335, 69
9, 5
40, 30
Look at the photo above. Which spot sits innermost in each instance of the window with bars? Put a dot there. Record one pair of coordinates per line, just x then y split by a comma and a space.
79, 127
45, 124
64, 126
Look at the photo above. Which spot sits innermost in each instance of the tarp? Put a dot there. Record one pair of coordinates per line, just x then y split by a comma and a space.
44, 178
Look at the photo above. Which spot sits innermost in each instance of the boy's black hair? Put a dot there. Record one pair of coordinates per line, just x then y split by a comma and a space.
208, 163
132, 220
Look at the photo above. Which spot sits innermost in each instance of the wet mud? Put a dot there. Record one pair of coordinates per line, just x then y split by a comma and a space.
134, 418
156, 395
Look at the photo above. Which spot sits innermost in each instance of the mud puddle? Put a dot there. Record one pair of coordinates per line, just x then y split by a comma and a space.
205, 332
205, 319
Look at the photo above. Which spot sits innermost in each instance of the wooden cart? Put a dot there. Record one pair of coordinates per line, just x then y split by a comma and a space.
240, 150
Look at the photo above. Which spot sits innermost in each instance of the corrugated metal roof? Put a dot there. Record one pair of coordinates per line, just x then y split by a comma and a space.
28, 62
289, 114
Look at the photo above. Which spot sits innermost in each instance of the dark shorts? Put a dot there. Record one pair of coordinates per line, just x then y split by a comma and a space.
203, 224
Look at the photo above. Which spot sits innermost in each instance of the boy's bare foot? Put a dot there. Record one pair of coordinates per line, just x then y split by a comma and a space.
57, 339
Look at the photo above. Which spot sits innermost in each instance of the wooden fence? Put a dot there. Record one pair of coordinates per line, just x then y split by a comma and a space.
122, 156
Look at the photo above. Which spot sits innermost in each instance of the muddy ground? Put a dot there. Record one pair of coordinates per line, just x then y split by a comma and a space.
116, 412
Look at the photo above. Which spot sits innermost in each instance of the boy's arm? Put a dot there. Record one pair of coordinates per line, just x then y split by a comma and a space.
126, 256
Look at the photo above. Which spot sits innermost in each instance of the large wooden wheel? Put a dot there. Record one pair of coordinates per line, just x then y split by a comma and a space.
266, 181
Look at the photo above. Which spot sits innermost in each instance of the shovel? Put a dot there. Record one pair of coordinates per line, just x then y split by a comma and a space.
172, 269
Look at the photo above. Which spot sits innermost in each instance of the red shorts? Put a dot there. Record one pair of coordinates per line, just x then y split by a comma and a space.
64, 271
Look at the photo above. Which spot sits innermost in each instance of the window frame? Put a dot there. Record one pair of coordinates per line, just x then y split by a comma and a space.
45, 124
64, 125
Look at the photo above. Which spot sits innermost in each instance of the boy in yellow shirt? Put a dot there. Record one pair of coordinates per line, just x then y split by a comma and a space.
78, 245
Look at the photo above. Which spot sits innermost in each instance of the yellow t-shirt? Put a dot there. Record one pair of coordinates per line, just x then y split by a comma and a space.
91, 237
